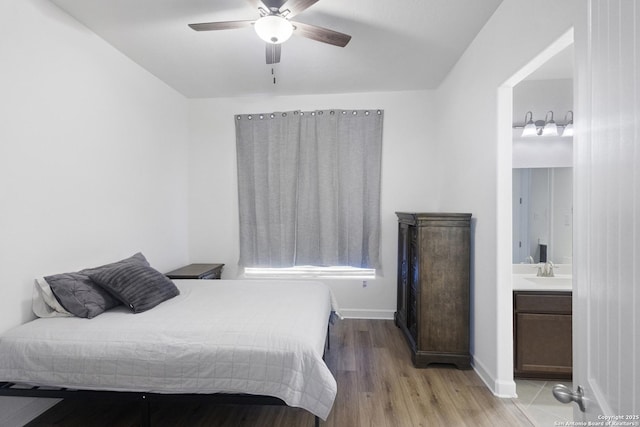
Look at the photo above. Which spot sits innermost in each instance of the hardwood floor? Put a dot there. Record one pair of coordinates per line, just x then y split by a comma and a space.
377, 387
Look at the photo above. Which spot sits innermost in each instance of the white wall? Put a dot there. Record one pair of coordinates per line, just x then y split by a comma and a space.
407, 180
93, 159
540, 96
477, 169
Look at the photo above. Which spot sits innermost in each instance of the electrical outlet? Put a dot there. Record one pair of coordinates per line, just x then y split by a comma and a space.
364, 283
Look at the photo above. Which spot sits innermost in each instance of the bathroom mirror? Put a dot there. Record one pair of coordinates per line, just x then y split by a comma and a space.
542, 214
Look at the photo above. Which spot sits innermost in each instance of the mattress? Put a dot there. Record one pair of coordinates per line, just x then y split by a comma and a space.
217, 336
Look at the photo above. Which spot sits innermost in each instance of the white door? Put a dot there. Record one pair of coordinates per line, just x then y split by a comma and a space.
607, 199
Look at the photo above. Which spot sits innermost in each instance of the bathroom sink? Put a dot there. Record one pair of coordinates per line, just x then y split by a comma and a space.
551, 281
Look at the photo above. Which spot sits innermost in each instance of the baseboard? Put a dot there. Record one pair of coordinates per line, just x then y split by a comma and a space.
18, 411
506, 389
503, 389
358, 313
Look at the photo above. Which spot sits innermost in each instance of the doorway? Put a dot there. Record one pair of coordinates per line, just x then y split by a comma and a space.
506, 94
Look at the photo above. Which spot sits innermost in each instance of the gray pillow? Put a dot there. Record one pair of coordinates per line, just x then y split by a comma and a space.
139, 287
80, 295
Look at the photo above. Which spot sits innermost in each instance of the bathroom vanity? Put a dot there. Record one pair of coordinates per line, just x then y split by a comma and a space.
542, 339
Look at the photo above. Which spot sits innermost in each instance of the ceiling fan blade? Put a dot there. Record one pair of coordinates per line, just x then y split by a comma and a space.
223, 25
273, 53
297, 6
320, 34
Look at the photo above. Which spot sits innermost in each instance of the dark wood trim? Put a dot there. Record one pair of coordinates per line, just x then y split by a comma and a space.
197, 271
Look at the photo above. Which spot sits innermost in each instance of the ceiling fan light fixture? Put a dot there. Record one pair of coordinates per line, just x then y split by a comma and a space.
273, 29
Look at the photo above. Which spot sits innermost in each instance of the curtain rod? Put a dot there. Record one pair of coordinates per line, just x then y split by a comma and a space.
262, 116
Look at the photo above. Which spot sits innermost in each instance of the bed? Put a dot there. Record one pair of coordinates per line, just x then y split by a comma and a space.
227, 338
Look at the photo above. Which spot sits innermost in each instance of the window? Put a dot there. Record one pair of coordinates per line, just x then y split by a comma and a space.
309, 188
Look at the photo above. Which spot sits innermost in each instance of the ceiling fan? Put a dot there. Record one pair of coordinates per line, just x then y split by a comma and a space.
274, 26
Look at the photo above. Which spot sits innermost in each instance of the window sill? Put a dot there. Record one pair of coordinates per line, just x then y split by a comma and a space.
310, 272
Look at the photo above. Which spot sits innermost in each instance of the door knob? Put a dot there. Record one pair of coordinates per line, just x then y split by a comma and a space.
564, 394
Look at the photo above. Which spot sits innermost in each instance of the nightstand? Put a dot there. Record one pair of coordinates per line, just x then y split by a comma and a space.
197, 271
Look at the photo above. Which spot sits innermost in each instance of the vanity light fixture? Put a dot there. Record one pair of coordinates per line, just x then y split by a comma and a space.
546, 127
568, 128
273, 29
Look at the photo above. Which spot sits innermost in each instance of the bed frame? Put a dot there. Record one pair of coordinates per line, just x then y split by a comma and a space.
145, 399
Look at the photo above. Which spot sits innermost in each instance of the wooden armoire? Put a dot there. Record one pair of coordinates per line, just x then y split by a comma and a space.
433, 286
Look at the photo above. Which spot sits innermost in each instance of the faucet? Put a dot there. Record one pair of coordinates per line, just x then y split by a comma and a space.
546, 270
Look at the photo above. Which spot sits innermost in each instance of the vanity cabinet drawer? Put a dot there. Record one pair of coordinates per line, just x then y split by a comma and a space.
541, 302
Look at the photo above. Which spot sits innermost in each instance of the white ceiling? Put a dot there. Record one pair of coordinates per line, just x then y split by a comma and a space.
396, 45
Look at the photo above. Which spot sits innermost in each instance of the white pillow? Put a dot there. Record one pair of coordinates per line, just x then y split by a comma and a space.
44, 303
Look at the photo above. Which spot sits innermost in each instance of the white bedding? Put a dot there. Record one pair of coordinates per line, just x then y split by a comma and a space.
230, 336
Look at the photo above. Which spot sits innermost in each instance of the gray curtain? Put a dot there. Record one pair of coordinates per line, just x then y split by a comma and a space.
309, 188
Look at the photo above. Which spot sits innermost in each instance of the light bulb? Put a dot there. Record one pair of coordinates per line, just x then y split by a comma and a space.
529, 127
550, 127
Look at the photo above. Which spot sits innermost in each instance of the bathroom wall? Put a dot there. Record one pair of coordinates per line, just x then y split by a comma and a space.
548, 195
539, 97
